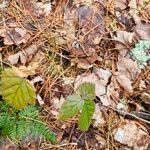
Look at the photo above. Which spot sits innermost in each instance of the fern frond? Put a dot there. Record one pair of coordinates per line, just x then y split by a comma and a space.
7, 123
23, 129
41, 130
23, 124
29, 111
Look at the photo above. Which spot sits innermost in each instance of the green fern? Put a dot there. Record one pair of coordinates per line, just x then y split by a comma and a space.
23, 124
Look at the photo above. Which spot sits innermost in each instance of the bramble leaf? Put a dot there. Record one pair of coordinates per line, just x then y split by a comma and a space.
86, 115
71, 107
87, 91
16, 91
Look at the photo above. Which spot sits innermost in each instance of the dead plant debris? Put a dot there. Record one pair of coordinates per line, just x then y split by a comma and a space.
59, 44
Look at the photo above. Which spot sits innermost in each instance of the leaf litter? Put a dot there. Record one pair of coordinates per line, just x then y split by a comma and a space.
81, 37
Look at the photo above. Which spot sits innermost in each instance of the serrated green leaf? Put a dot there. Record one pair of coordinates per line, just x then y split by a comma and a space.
86, 115
16, 91
87, 91
71, 107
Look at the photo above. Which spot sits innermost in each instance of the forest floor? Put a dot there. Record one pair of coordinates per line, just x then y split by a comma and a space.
106, 43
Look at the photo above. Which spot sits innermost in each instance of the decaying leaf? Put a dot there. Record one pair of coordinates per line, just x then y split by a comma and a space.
124, 82
133, 136
38, 79
98, 118
39, 99
123, 39
43, 9
141, 28
31, 50
83, 2
15, 36
24, 71
13, 59
23, 55
100, 78
127, 67
103, 75
121, 4
92, 78
56, 105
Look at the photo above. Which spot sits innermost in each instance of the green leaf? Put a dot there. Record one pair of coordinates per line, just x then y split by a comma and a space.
16, 91
87, 90
86, 115
71, 107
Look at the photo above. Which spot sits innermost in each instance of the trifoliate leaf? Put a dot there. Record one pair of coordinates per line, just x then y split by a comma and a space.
86, 115
87, 91
140, 54
16, 91
71, 107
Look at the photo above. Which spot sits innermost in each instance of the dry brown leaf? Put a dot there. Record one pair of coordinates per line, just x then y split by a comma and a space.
38, 56
122, 39
13, 59
24, 71
16, 36
2, 32
98, 117
141, 28
146, 99
38, 79
92, 78
22, 56
124, 82
82, 60
83, 2
113, 90
102, 142
56, 105
103, 75
127, 67
133, 136
100, 84
31, 50
39, 99
121, 4
43, 9
68, 80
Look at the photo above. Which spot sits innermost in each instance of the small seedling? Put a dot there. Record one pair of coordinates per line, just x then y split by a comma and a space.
81, 101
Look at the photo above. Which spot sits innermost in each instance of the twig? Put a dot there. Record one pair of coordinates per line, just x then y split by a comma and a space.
123, 113
58, 146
